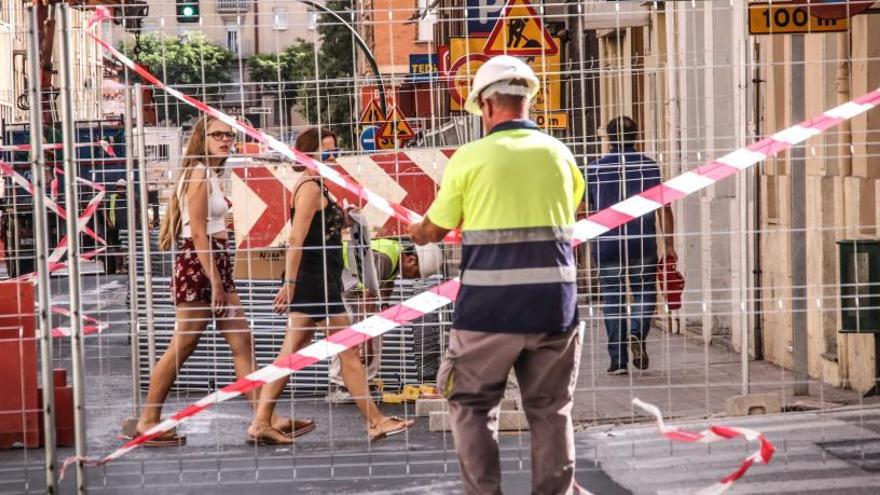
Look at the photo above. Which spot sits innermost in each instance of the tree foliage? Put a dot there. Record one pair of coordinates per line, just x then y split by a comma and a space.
308, 86
336, 73
190, 62
286, 74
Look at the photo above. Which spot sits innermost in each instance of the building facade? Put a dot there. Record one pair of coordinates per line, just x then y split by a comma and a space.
87, 68
701, 86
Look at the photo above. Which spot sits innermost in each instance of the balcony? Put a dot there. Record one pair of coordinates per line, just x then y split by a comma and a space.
233, 6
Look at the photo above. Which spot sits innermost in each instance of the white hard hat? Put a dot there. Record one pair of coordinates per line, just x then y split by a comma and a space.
430, 259
498, 69
120, 182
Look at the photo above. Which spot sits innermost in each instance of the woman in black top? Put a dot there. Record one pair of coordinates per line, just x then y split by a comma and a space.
314, 295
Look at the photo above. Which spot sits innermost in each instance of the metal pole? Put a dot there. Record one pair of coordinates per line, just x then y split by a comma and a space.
740, 68
70, 174
41, 232
797, 207
132, 257
145, 224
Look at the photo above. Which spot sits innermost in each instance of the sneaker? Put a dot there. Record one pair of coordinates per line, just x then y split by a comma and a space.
338, 394
639, 352
615, 370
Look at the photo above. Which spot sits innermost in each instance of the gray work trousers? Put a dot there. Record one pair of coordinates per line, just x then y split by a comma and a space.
473, 377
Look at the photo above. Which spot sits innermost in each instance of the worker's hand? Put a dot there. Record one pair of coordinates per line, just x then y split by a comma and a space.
415, 233
283, 298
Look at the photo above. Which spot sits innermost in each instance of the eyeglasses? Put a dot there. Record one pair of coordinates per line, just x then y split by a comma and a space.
222, 135
328, 154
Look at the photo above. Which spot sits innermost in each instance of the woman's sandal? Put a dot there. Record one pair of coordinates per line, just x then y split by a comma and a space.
168, 439
268, 435
295, 428
377, 433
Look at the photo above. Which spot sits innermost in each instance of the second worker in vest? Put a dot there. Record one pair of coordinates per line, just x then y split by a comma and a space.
514, 194
391, 258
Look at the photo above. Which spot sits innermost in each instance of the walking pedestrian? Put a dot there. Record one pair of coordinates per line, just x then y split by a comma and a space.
202, 287
514, 194
311, 295
626, 256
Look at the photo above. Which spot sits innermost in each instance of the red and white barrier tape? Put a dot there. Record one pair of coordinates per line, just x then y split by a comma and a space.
90, 209
54, 259
711, 435
105, 145
442, 295
94, 326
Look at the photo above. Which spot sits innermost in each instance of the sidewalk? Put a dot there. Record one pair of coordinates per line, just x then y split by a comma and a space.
686, 379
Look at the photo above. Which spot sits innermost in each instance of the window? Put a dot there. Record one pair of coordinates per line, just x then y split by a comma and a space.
279, 18
313, 20
428, 16
233, 42
157, 152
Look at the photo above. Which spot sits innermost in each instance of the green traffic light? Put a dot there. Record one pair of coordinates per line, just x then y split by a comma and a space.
188, 11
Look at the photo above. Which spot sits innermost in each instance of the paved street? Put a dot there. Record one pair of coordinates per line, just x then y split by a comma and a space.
687, 380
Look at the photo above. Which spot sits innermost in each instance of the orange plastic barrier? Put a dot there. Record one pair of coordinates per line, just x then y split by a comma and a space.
19, 414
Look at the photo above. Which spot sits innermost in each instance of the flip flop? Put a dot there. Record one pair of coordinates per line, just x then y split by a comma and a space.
261, 439
306, 426
404, 425
168, 439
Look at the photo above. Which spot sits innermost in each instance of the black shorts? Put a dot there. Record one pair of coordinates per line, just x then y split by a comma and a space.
315, 298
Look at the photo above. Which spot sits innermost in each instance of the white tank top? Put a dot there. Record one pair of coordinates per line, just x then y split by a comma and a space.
218, 208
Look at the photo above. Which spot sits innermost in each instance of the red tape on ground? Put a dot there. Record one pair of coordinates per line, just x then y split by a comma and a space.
711, 435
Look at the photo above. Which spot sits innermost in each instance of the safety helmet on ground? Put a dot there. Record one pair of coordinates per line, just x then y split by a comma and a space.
430, 259
498, 70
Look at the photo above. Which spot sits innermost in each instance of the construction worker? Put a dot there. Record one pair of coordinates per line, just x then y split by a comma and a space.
513, 194
384, 261
115, 218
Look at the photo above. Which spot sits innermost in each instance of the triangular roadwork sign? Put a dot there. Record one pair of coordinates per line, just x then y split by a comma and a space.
372, 114
396, 126
520, 32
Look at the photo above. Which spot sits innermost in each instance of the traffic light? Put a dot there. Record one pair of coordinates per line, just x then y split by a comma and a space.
187, 11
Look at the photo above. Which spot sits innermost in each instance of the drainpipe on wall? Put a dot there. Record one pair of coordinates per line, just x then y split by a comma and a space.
845, 153
757, 273
256, 28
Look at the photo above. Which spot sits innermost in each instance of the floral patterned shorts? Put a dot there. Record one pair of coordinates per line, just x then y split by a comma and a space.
190, 283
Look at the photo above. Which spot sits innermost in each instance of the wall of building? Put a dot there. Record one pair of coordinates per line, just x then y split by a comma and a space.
842, 185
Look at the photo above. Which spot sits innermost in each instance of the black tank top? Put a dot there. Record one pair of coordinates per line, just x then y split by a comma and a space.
323, 242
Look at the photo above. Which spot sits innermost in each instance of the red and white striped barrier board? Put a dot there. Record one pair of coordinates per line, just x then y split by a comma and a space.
443, 294
711, 435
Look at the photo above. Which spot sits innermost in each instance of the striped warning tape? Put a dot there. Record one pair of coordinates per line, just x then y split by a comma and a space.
90, 209
94, 326
54, 260
714, 434
105, 145
443, 294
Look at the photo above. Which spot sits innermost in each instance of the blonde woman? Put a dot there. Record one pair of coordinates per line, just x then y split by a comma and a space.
203, 288
311, 295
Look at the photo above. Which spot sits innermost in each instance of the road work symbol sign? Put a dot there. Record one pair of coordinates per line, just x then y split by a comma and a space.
372, 114
520, 32
396, 127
